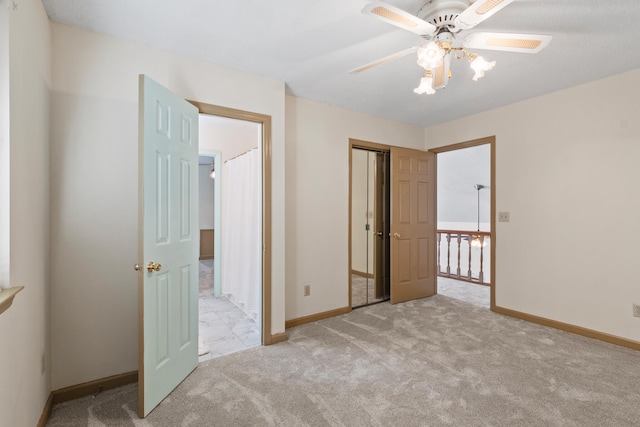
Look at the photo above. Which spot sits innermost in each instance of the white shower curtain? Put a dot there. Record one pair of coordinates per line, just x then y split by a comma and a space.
242, 231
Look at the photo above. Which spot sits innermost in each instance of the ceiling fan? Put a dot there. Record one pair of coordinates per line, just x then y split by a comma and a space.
440, 23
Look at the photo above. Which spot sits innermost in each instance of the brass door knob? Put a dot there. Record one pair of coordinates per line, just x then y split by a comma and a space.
396, 235
152, 266
137, 267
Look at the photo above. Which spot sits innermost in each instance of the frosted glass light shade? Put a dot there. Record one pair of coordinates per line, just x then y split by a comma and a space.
480, 66
430, 56
426, 86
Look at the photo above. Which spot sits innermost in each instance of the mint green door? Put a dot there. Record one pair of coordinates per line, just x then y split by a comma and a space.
168, 242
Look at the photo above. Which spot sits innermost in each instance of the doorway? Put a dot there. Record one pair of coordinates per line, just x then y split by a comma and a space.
466, 221
230, 217
225, 149
370, 222
394, 220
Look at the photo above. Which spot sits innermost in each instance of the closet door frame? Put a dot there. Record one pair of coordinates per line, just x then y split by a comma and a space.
365, 145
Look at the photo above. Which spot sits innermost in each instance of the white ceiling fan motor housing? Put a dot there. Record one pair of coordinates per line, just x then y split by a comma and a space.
442, 13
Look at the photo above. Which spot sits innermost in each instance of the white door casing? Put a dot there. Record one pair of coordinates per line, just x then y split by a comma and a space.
168, 236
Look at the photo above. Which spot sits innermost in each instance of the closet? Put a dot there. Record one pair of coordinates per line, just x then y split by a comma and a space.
370, 214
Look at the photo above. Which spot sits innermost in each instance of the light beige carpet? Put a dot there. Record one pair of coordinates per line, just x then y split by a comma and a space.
473, 293
431, 362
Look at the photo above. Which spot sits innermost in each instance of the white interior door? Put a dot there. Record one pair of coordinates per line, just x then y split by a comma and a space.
168, 242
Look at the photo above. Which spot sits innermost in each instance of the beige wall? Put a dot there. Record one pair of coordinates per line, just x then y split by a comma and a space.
567, 171
318, 198
94, 189
24, 328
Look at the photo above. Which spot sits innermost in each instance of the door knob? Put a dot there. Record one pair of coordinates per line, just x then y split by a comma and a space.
380, 234
152, 266
396, 235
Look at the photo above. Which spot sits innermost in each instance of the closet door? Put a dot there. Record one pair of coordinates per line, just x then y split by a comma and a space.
362, 227
369, 260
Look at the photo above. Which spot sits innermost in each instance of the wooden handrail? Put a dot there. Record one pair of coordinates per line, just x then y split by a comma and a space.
465, 232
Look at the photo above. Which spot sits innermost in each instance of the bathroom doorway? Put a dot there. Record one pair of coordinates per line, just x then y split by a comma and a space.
230, 278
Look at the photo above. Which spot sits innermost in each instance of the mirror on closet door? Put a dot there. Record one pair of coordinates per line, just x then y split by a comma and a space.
369, 227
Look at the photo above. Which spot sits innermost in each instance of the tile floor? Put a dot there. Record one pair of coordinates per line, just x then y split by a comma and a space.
223, 328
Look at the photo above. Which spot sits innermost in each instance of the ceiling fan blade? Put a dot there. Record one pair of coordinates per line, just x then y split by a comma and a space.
478, 12
528, 43
384, 60
398, 17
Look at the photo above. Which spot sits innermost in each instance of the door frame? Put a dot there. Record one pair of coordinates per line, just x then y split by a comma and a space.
265, 121
381, 221
491, 140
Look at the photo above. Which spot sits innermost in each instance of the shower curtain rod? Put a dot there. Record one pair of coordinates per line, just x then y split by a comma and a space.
241, 154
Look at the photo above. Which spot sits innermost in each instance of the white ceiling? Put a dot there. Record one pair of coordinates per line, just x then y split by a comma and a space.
312, 44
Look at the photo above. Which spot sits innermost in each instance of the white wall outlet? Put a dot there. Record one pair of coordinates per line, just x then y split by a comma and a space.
503, 216
307, 290
636, 310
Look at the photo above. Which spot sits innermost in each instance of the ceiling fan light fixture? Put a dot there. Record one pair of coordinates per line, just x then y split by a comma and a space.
426, 85
430, 55
439, 22
479, 65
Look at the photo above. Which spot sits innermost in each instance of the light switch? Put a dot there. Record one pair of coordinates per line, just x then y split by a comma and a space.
503, 216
